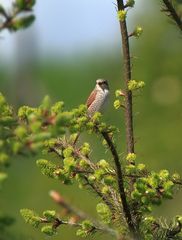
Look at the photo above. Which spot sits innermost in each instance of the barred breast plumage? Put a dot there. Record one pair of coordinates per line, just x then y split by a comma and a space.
100, 101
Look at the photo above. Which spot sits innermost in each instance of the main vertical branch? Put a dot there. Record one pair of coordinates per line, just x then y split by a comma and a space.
127, 78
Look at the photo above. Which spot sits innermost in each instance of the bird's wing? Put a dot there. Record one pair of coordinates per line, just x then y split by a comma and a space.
91, 98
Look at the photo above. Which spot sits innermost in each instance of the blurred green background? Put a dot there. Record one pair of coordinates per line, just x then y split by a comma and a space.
28, 76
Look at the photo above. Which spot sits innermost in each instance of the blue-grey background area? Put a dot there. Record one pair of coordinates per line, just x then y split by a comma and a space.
71, 44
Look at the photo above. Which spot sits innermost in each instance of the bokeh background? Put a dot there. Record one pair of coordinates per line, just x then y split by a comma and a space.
71, 44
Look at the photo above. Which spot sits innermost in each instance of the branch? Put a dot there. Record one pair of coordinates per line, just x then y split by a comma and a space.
80, 214
127, 78
172, 13
120, 181
77, 154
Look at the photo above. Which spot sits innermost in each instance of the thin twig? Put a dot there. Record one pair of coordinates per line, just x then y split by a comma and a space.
82, 215
57, 198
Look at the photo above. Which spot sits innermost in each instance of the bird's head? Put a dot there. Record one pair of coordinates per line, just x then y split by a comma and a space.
102, 84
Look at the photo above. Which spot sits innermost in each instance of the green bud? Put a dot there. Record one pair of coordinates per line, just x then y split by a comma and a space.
176, 177
102, 127
57, 107
130, 3
26, 111
119, 93
137, 32
141, 167
103, 164
91, 178
67, 152
122, 15
168, 189
131, 157
130, 169
96, 117
30, 217
90, 125
105, 190
104, 212
109, 180
117, 104
49, 215
85, 149
133, 85
48, 230
81, 233
69, 163
99, 173
164, 174
82, 109
83, 163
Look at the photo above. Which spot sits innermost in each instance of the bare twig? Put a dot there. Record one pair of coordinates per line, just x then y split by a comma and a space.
80, 214
57, 198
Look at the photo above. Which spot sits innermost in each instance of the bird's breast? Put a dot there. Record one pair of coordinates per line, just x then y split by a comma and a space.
100, 102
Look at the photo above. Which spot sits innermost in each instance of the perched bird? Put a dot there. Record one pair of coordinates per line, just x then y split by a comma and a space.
98, 98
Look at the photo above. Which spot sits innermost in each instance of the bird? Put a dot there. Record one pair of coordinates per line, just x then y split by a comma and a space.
98, 99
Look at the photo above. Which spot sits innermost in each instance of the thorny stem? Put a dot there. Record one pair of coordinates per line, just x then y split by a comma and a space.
171, 10
127, 78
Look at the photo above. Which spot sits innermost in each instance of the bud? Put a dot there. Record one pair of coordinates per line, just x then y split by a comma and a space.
117, 104
131, 157
48, 230
137, 32
104, 212
122, 15
119, 93
130, 3
49, 215
133, 85
30, 217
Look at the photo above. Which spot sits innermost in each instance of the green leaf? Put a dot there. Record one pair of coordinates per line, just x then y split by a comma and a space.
21, 23
25, 4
